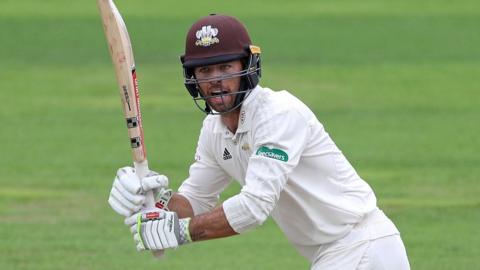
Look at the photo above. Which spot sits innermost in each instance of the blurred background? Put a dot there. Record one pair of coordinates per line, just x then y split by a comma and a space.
396, 84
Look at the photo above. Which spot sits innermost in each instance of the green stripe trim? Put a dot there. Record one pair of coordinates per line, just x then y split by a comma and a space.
139, 227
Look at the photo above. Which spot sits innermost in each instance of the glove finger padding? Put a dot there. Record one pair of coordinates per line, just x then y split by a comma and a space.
118, 207
134, 198
147, 235
161, 233
131, 221
155, 233
154, 182
155, 229
147, 227
129, 180
129, 201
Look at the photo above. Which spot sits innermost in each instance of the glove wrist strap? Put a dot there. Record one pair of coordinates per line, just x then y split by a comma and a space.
185, 237
163, 198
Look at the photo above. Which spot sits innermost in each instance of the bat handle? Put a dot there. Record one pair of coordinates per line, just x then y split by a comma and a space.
141, 169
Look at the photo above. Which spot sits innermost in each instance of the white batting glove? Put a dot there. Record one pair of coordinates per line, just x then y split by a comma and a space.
155, 229
128, 192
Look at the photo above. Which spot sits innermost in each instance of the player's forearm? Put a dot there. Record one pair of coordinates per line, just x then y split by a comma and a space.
180, 205
211, 225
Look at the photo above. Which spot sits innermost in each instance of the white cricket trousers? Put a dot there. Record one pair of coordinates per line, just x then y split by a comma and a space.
364, 248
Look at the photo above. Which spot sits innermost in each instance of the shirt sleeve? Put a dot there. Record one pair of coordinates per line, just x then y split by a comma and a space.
279, 141
206, 178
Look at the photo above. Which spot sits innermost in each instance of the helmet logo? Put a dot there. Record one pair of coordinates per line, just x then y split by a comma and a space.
207, 36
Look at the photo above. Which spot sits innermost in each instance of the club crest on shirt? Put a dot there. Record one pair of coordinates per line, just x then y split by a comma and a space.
245, 147
207, 36
272, 153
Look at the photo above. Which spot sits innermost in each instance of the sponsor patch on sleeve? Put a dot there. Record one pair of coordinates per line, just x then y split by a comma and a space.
272, 153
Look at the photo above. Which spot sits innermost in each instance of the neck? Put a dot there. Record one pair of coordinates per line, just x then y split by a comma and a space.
231, 120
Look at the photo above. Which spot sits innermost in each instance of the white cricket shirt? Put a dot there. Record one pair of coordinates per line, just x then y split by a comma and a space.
289, 168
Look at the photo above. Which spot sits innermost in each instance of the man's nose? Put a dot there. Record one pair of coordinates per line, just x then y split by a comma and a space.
217, 74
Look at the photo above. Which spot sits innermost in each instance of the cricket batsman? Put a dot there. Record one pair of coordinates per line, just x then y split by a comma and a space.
274, 146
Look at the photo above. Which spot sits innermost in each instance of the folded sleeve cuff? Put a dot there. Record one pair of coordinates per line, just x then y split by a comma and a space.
198, 206
242, 214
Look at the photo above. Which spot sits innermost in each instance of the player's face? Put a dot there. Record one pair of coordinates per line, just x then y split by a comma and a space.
217, 84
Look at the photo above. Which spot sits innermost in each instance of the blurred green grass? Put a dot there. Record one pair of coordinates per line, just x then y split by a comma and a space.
395, 83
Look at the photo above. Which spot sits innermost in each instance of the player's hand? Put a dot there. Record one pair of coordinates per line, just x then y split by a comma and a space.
128, 192
155, 229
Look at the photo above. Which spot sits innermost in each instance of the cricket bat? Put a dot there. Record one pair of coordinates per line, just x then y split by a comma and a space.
121, 52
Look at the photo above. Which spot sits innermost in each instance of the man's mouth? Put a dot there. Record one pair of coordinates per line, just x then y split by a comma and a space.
218, 93
218, 97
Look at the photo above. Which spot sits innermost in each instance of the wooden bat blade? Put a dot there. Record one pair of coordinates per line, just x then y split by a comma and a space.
122, 57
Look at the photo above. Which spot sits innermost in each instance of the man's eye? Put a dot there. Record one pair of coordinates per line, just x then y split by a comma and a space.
203, 70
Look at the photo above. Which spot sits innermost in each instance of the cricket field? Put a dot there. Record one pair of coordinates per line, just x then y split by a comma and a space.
396, 84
